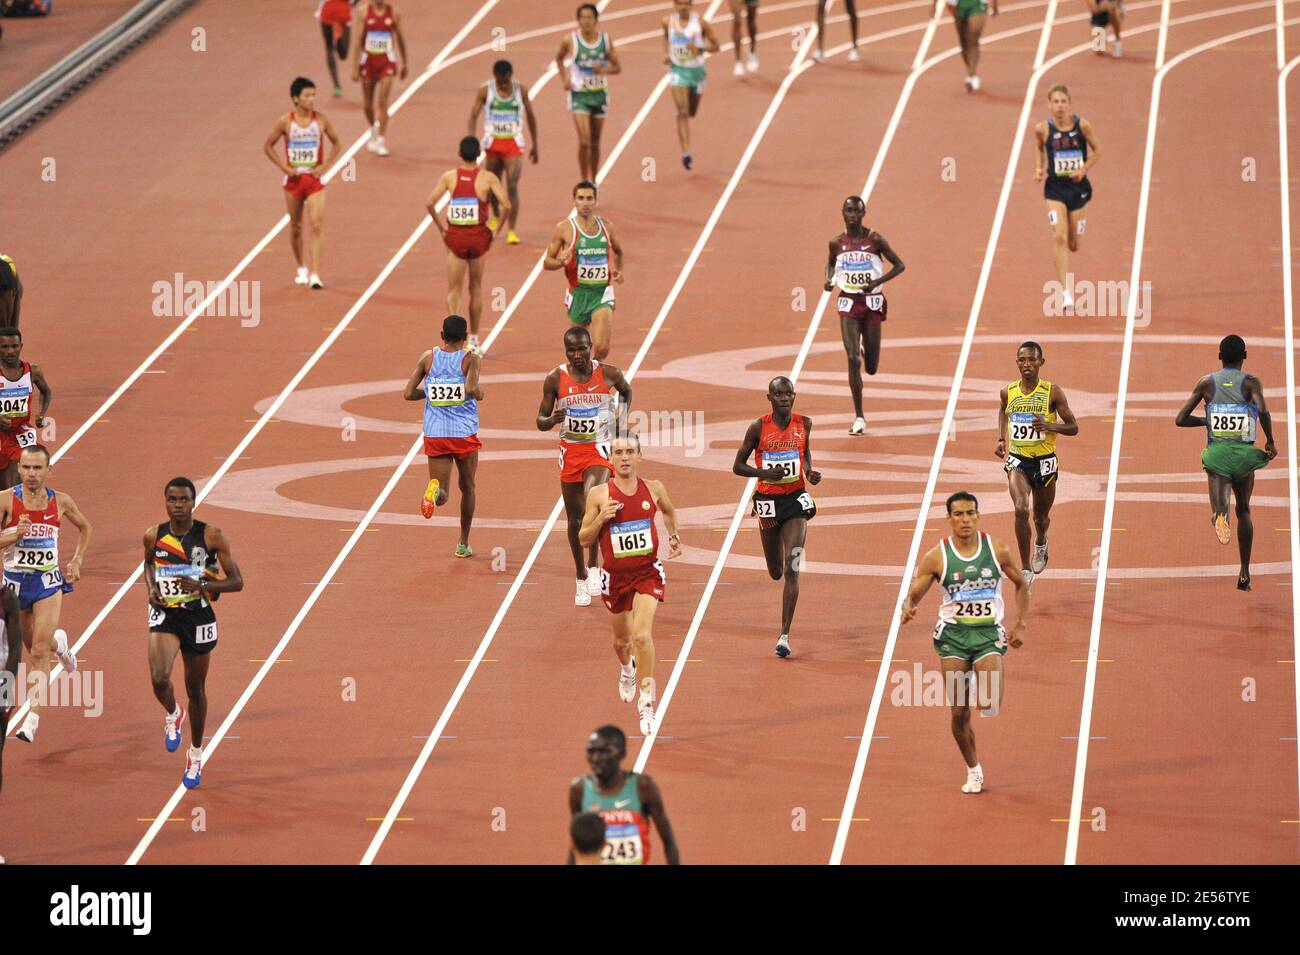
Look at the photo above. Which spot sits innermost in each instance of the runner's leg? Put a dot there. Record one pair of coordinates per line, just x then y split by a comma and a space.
793, 534
736, 6
316, 222
440, 470
466, 472
851, 334
593, 159
456, 269
514, 169
643, 646
1044, 498
43, 621
368, 98
1078, 220
1059, 220
1220, 487
853, 21
295, 206
871, 346
771, 539
327, 31
974, 27
163, 648
476, 293
196, 680
1021, 495
582, 123
602, 330
623, 636
575, 497
494, 164
590, 478
956, 684
682, 101
1242, 490
381, 108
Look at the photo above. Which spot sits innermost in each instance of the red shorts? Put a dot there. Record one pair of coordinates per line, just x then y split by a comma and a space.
576, 458
855, 306
377, 67
302, 185
10, 449
618, 589
335, 12
456, 447
467, 241
505, 148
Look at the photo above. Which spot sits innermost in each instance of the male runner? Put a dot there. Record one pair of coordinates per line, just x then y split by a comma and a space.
781, 444
853, 269
11, 293
446, 380
1106, 13
969, 17
17, 379
466, 234
1234, 402
581, 395
581, 245
377, 24
587, 839
621, 516
820, 55
745, 61
303, 131
687, 38
629, 802
1031, 413
335, 18
503, 136
32, 570
970, 638
591, 59
180, 561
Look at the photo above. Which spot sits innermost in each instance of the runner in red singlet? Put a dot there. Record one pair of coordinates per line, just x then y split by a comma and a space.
335, 18
587, 398
303, 130
621, 516
781, 445
466, 233
378, 28
853, 272
17, 380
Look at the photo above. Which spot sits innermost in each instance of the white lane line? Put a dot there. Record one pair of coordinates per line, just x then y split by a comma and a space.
1281, 38
1121, 404
434, 66
1289, 321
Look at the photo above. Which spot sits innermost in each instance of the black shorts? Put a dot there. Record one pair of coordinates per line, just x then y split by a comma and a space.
197, 629
773, 510
1039, 472
1075, 195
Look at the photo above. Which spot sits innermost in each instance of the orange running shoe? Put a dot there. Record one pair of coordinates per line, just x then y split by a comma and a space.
430, 500
1221, 528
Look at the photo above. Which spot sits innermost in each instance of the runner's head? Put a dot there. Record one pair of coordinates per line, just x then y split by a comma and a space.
682, 7
588, 14
11, 346
853, 210
1058, 99
34, 466
469, 149
303, 93
625, 453
584, 197
179, 495
503, 70
606, 748
780, 392
1232, 351
454, 330
1029, 359
587, 837
577, 349
964, 515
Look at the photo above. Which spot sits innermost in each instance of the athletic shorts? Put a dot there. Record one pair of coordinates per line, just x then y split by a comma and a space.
302, 185
31, 586
1039, 472
965, 9
196, 628
773, 510
377, 67
582, 301
504, 148
871, 308
459, 448
691, 76
335, 13
955, 641
468, 241
13, 442
576, 458
1075, 195
595, 102
1102, 19
619, 589
1234, 460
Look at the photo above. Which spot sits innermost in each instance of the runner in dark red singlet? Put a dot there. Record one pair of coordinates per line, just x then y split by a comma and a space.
378, 29
18, 379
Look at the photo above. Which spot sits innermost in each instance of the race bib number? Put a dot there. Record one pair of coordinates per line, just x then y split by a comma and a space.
14, 403
787, 461
446, 394
379, 43
622, 845
34, 558
876, 302
463, 210
1047, 466
156, 616
168, 579
632, 539
592, 82
51, 578
206, 633
1023, 429
581, 425
976, 607
26, 437
806, 502
680, 51
856, 276
1229, 422
593, 268
1067, 161
504, 124
303, 152
765, 509
11, 585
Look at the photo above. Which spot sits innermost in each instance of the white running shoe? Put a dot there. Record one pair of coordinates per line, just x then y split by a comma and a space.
783, 646
855, 56
859, 426
645, 707
974, 84
580, 596
474, 347
316, 283
382, 148
738, 69
627, 682
1039, 561
1116, 49
64, 652
373, 142
193, 774
974, 782
1029, 578
302, 277
1067, 300
751, 62
818, 56
27, 732
593, 581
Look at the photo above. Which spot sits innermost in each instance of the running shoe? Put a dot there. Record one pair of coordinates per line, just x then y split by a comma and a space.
819, 56
627, 682
974, 84
968, 84
580, 596
1029, 578
193, 769
316, 283
302, 277
593, 581
512, 237
1221, 528
338, 91
373, 142
27, 732
645, 708
64, 652
172, 729
783, 646
686, 161
492, 223
473, 346
430, 499
1116, 49
855, 56
1039, 562
1243, 581
738, 69
751, 62
382, 148
464, 550
974, 781
859, 426
1067, 300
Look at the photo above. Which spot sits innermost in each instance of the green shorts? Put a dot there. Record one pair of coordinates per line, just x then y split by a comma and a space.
969, 8
595, 102
1234, 460
582, 300
692, 76
959, 642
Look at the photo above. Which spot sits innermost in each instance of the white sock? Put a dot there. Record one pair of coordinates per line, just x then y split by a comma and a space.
976, 770
629, 668
175, 714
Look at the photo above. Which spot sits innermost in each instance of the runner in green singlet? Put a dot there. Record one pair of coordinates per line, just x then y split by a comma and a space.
970, 639
508, 108
585, 246
687, 37
591, 59
1234, 402
629, 802
968, 17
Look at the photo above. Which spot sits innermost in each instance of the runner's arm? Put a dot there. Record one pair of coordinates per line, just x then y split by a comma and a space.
150, 580
666, 508
480, 99
336, 145
560, 56
440, 190
38, 379
68, 508
233, 581
617, 248
927, 572
1094, 151
1009, 562
1185, 418
359, 35
1066, 424
575, 807
547, 415
614, 65
1001, 451
1040, 154
401, 40
814, 477
268, 147
653, 802
593, 517
413, 392
741, 465
667, 56
1254, 389
11, 536
531, 117
830, 264
553, 259
706, 32
892, 257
